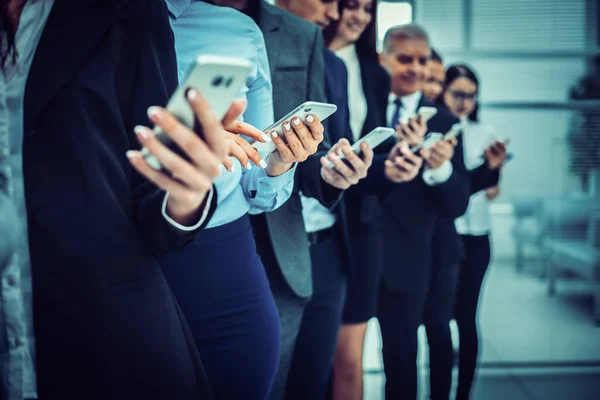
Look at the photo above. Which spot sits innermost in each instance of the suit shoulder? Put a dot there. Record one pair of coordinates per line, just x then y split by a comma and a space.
292, 22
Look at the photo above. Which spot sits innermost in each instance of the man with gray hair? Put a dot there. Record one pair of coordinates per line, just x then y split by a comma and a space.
420, 244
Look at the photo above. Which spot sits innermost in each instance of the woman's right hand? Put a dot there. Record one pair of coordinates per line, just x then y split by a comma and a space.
240, 148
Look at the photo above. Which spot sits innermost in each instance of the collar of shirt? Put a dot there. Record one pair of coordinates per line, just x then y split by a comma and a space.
177, 7
409, 102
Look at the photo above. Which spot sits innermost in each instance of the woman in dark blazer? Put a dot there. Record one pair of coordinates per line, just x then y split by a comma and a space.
353, 38
105, 322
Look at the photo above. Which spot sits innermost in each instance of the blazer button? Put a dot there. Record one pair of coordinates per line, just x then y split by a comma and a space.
11, 280
18, 342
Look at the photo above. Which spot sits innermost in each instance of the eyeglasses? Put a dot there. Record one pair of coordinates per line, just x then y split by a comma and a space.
462, 96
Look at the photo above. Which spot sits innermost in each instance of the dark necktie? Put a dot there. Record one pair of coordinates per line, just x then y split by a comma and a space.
396, 116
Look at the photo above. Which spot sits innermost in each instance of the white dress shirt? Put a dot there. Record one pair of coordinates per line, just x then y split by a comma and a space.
410, 103
476, 220
357, 103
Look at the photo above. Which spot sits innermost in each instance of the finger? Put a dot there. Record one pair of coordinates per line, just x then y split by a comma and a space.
332, 174
228, 164
196, 149
367, 154
315, 127
308, 142
283, 148
251, 153
243, 128
236, 109
341, 167
159, 178
211, 126
355, 161
412, 158
293, 141
238, 153
442, 153
178, 167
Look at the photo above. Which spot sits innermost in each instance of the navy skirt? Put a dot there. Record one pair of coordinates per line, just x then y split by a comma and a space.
221, 286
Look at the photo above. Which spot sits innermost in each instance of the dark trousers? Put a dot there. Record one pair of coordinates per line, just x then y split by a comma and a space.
472, 272
290, 308
312, 361
439, 309
400, 314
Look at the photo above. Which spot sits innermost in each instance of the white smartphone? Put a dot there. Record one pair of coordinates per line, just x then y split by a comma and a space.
373, 139
425, 112
428, 141
320, 110
219, 79
454, 131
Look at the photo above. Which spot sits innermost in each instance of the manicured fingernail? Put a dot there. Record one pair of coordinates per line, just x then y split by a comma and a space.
192, 94
232, 169
265, 137
296, 121
132, 154
274, 134
141, 132
287, 126
263, 164
310, 118
340, 152
154, 112
249, 166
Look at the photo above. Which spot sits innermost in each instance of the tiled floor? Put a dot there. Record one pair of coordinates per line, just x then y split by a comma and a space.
534, 346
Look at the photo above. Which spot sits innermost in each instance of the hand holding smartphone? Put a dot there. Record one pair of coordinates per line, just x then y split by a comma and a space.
373, 139
219, 79
320, 110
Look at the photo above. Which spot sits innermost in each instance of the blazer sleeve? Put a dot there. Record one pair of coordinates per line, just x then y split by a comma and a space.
310, 182
453, 195
155, 80
483, 177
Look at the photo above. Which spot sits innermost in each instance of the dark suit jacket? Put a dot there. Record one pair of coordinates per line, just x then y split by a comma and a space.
295, 51
106, 323
418, 220
363, 209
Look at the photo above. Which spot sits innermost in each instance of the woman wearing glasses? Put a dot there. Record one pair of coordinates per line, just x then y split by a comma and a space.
460, 92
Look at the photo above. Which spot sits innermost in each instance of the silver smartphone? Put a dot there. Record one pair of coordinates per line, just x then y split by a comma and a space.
428, 141
219, 79
425, 112
373, 139
321, 110
454, 131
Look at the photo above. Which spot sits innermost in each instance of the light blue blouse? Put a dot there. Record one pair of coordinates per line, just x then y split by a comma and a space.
203, 28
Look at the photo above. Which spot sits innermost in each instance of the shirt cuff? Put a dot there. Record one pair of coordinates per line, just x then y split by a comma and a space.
437, 176
207, 203
275, 183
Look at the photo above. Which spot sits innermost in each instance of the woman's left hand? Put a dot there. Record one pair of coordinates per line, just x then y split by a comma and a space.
303, 139
495, 155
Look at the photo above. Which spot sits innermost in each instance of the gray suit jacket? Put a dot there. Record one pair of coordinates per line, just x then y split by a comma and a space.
295, 51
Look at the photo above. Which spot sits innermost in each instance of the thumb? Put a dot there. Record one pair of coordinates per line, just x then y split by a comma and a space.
235, 110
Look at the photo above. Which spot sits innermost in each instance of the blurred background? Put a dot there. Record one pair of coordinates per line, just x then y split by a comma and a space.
539, 69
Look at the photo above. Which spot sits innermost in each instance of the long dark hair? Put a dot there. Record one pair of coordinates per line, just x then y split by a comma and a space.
366, 45
453, 73
6, 33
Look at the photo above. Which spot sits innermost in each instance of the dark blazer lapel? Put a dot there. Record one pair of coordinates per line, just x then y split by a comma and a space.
72, 30
366, 76
270, 25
